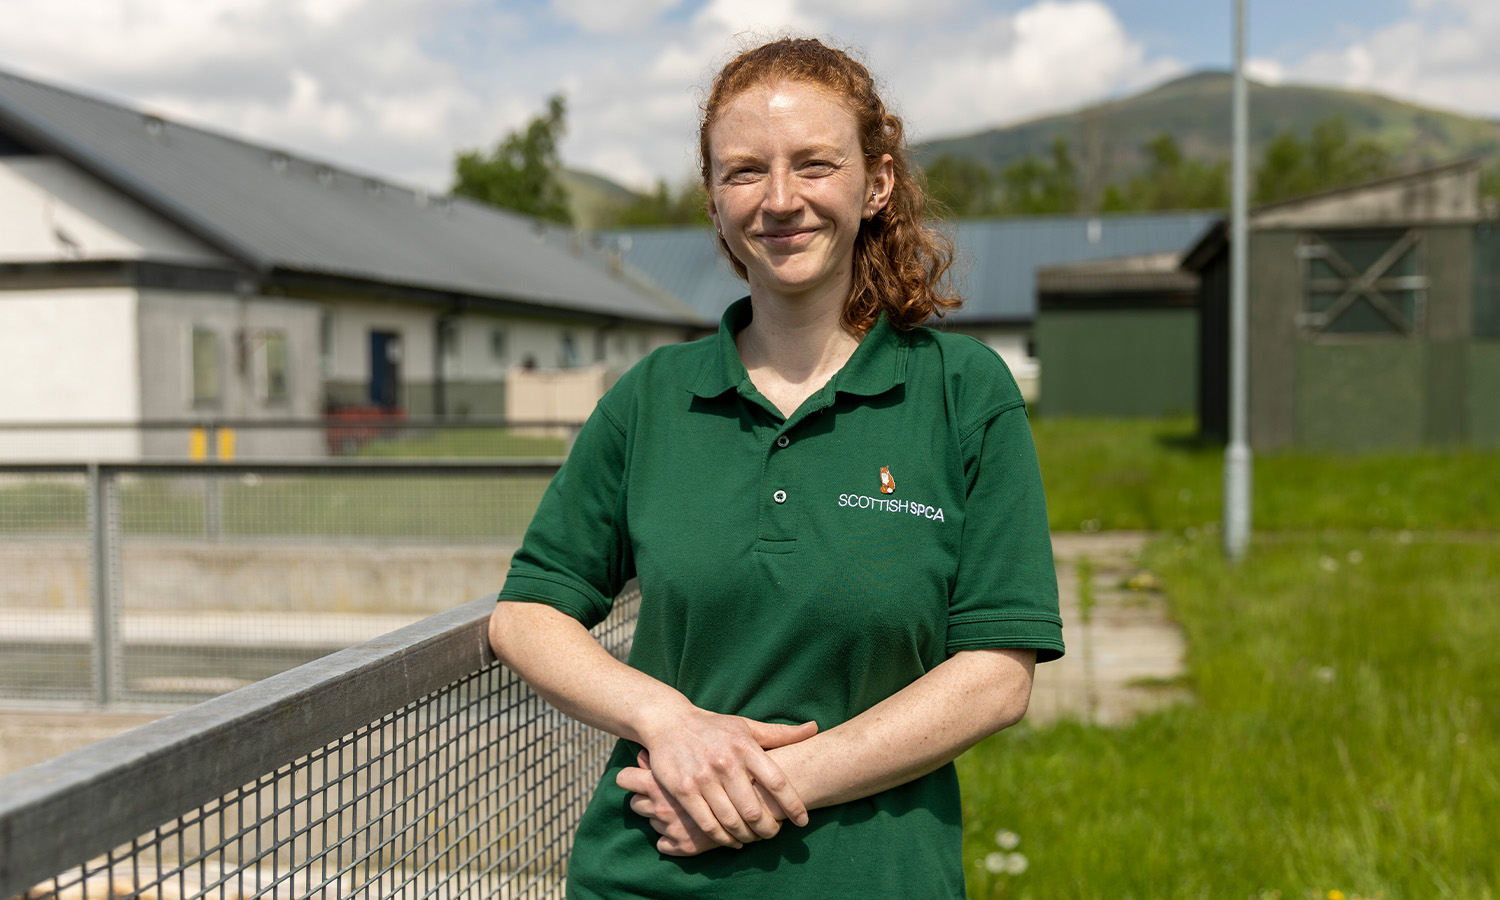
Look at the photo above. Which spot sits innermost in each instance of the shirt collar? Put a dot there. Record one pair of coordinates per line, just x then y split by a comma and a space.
877, 365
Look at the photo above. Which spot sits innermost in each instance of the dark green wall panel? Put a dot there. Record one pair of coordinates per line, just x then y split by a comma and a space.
1118, 362
1362, 395
1484, 392
1446, 408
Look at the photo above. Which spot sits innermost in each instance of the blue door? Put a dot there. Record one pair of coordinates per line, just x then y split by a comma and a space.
385, 369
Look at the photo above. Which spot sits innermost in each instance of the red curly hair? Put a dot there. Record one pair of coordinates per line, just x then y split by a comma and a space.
900, 264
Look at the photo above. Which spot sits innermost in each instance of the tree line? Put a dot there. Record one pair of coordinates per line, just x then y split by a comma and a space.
1290, 166
523, 173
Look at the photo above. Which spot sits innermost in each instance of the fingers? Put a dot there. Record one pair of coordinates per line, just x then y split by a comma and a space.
769, 776
716, 773
770, 734
708, 809
737, 806
711, 810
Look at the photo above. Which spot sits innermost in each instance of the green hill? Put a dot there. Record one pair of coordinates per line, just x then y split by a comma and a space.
593, 198
1107, 138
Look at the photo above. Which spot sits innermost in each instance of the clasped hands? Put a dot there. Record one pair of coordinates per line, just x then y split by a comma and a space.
707, 781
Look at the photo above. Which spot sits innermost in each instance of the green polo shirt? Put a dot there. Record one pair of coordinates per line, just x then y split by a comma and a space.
779, 581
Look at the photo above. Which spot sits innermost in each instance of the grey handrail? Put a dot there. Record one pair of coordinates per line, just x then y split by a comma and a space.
67, 809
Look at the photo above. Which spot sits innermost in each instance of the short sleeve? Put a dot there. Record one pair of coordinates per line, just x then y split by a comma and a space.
576, 554
1005, 594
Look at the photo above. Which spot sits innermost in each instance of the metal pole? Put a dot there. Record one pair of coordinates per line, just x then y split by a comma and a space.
101, 557
1237, 456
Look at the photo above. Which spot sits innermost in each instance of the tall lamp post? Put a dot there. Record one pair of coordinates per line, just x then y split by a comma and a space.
1237, 456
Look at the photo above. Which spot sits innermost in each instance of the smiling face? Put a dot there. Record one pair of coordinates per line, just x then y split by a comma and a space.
789, 187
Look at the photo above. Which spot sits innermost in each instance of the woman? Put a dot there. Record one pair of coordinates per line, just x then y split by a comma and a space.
836, 519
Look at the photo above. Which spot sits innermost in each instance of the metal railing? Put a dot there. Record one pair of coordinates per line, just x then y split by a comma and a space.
165, 583
358, 433
413, 765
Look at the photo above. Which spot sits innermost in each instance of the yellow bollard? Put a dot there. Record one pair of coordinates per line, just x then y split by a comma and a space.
197, 444
226, 443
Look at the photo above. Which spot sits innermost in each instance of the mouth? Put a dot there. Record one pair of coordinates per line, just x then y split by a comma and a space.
786, 236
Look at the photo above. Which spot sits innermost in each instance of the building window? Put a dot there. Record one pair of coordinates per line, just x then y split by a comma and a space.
499, 352
570, 357
1364, 282
275, 368
208, 368
448, 345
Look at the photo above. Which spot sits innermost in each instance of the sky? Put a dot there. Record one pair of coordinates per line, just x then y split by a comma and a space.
393, 88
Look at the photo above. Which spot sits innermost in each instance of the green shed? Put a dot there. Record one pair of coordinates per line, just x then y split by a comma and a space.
1374, 317
1118, 337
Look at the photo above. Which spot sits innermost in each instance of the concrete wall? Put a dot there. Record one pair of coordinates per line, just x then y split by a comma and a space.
69, 356
555, 395
476, 367
1118, 362
240, 325
271, 577
51, 210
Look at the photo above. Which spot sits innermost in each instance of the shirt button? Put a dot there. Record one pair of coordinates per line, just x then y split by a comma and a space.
783, 441
779, 496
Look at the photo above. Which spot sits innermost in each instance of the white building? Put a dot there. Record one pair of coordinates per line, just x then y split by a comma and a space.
154, 271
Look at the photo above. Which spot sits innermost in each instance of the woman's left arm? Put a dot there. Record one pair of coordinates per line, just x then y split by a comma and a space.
927, 724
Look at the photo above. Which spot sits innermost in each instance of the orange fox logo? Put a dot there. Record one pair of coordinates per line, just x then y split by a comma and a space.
887, 483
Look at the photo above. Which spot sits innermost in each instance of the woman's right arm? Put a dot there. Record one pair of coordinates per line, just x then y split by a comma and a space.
709, 763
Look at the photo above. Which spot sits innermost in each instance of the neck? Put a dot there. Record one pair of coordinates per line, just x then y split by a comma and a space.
791, 351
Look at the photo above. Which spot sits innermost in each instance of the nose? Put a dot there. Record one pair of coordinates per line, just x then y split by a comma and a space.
782, 198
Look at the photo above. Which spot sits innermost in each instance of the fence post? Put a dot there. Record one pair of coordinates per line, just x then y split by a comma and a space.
103, 539
213, 501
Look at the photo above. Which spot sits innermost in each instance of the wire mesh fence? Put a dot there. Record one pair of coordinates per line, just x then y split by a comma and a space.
164, 583
469, 790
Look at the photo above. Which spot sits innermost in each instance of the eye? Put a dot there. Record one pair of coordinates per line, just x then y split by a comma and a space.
740, 174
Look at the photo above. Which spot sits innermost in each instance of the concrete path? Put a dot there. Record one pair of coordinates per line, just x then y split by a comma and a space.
1125, 655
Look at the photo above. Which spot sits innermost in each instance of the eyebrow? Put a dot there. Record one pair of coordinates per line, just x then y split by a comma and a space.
735, 159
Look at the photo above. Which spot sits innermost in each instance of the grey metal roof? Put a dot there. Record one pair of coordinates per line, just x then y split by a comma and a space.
273, 210
995, 273
1002, 255
685, 261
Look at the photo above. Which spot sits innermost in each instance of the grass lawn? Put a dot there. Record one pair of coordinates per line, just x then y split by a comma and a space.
446, 443
1342, 741
1154, 475
323, 506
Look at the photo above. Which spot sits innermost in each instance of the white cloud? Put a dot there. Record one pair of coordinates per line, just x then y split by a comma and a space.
1265, 70
1442, 52
612, 15
395, 86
